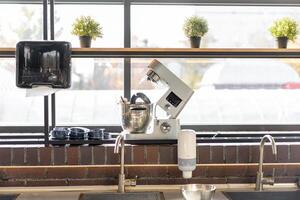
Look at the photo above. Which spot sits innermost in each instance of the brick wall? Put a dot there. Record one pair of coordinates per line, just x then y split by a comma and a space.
153, 164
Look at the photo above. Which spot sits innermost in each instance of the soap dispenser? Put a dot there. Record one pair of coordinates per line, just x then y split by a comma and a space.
187, 152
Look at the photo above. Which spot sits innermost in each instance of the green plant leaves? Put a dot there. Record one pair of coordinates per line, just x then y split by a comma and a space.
86, 26
195, 26
285, 27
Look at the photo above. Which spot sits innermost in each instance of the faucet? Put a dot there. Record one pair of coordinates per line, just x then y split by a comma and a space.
122, 181
260, 180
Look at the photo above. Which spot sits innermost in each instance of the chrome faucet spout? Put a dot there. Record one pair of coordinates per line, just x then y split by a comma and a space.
120, 144
260, 180
271, 139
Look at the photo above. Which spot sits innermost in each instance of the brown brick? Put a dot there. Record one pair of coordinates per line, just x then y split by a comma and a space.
13, 183
3, 175
46, 156
268, 154
5, 155
18, 156
243, 154
174, 156
173, 172
293, 170
230, 154
295, 153
66, 172
138, 154
106, 181
279, 170
235, 171
241, 180
164, 154
128, 154
99, 155
72, 155
25, 173
251, 170
103, 172
216, 171
289, 179
146, 171
214, 180
85, 155
217, 154
111, 157
204, 154
254, 151
59, 157
282, 153
267, 169
46, 182
152, 154
199, 171
31, 156
164, 181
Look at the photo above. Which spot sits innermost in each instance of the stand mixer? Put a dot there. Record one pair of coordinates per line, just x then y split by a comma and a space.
172, 102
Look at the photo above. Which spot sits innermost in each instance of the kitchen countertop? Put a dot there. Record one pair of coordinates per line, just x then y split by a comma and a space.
171, 192
75, 196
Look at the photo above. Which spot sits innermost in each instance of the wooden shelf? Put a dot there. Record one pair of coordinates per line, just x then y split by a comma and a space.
174, 53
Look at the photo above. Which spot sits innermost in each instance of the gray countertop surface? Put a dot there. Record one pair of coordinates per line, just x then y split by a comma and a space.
75, 196
171, 192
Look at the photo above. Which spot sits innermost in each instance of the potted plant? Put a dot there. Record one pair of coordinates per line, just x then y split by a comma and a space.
195, 27
284, 29
87, 29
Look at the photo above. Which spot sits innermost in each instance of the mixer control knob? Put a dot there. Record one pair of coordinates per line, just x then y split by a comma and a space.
165, 127
167, 106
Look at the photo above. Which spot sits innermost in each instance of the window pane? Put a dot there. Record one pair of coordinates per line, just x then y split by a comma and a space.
231, 91
15, 108
97, 85
229, 26
20, 22
110, 18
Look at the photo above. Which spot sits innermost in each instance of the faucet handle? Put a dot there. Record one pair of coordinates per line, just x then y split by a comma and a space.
131, 182
269, 180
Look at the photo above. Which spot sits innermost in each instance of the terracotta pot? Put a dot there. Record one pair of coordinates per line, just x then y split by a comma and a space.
282, 42
195, 42
85, 41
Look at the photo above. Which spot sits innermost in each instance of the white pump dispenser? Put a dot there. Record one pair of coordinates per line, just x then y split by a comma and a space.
187, 152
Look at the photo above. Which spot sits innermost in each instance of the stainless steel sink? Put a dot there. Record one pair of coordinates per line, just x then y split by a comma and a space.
124, 196
263, 195
8, 196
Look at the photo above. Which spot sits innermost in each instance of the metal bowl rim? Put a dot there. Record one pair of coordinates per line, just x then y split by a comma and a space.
198, 187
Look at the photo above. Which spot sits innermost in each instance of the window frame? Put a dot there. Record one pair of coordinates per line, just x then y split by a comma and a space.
127, 65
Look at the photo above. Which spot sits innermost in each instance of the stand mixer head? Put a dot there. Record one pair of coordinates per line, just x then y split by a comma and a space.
172, 102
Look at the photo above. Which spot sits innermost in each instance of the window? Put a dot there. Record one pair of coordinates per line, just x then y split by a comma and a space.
97, 85
15, 108
231, 91
110, 18
20, 22
227, 91
229, 26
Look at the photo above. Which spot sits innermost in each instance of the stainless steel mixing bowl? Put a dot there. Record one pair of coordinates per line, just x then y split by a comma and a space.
136, 117
198, 191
